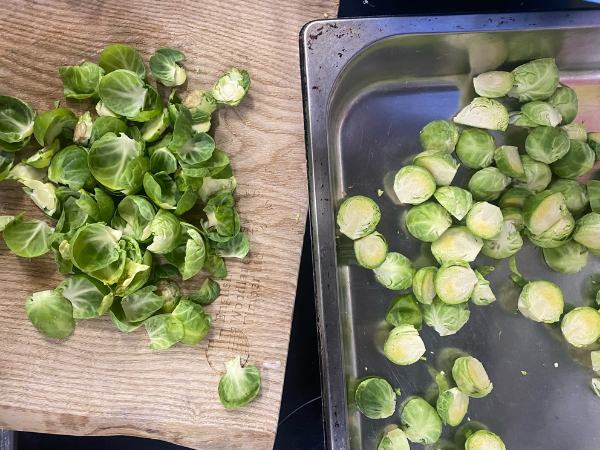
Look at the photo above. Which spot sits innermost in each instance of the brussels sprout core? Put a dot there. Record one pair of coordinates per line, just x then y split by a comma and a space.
413, 185
581, 326
404, 346
371, 250
541, 301
358, 216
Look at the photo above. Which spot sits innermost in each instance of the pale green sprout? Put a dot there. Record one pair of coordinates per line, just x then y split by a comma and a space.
520, 120
484, 440
575, 131
452, 406
514, 198
371, 250
404, 309
485, 113
508, 161
428, 221
541, 301
396, 272
581, 326
439, 136
50, 124
394, 440
456, 244
164, 331
482, 293
505, 244
485, 220
535, 80
592, 193
403, 345
358, 216
587, 231
578, 161
455, 200
413, 185
446, 319
514, 215
565, 101
475, 148
16, 122
556, 235
488, 184
153, 129
593, 140
543, 210
51, 314
537, 175
212, 186
547, 144
27, 239
493, 84
471, 378
454, 282
231, 87
541, 113
420, 422
43, 195
423, 284
576, 195
164, 68
83, 129
375, 398
441, 166
571, 257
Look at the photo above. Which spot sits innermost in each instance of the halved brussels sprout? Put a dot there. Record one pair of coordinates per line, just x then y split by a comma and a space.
571, 257
587, 231
423, 284
576, 195
541, 113
51, 314
520, 120
164, 68
537, 175
493, 84
452, 406
475, 148
488, 184
371, 250
375, 398
413, 185
396, 272
471, 378
575, 131
556, 235
508, 161
547, 144
439, 136
592, 194
456, 244
485, 220
578, 161
358, 216
420, 422
485, 113
565, 101
394, 440
581, 326
231, 87
541, 301
535, 80
505, 244
454, 282
404, 346
484, 440
16, 120
457, 201
428, 221
514, 198
441, 166
543, 210
514, 215
593, 140
482, 293
404, 309
446, 319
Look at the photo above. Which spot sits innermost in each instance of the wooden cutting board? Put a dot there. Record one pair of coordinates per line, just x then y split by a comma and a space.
100, 381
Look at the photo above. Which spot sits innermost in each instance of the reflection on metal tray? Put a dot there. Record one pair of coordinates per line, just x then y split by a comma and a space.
370, 86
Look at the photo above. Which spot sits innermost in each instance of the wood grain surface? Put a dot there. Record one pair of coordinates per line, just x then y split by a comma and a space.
100, 381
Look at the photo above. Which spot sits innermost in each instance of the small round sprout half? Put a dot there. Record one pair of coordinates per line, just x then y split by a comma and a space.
587, 231
541, 301
541, 113
413, 185
452, 406
593, 140
441, 166
456, 244
404, 346
446, 319
484, 440
493, 84
547, 144
428, 221
475, 148
394, 440
439, 136
575, 131
358, 216
404, 309
420, 422
483, 113
371, 250
423, 284
508, 161
514, 198
457, 201
556, 235
488, 184
375, 398
396, 272
578, 161
485, 220
535, 80
506, 244
543, 210
514, 215
537, 175
471, 378
565, 101
576, 195
571, 257
482, 293
454, 282
581, 326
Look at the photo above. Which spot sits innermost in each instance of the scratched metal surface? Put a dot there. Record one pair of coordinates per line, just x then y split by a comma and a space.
371, 85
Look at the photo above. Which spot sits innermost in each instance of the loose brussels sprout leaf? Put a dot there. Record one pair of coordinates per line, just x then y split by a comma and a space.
543, 210
196, 322
575, 131
50, 124
488, 184
421, 422
581, 326
117, 315
201, 105
120, 56
457, 201
161, 189
138, 212
28, 239
358, 216
106, 124
578, 161
508, 161
482, 293
403, 345
423, 285
514, 198
541, 113
396, 272
162, 160
135, 275
493, 84
197, 148
485, 113
446, 319
537, 175
231, 87
571, 257
595, 385
164, 68
13, 147
223, 221
475, 148
556, 235
113, 272
154, 128
70, 167
506, 244
43, 195
216, 164
427, 221
452, 406
404, 310
164, 331
471, 377
171, 294
394, 440
189, 257
89, 297
239, 385
99, 206
16, 121
375, 398
485, 220
239, 246
547, 144
587, 231
565, 101
454, 282
74, 216
211, 187
50, 313
5, 220
207, 294
166, 229
39, 159
141, 304
94, 247
535, 80
152, 106
103, 111
521, 120
6, 164
441, 166
456, 244
413, 185
123, 93
541, 301
81, 81
215, 265
481, 440
576, 194
439, 136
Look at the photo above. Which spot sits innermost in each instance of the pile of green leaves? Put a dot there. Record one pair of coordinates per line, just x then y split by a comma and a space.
116, 187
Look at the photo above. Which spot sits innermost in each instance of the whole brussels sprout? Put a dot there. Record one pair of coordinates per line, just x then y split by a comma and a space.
576, 195
421, 422
446, 319
485, 220
413, 185
493, 84
535, 80
231, 87
575, 131
441, 166
404, 346
506, 244
541, 301
514, 198
471, 377
581, 326
484, 440
452, 406
457, 201
571, 257
488, 184
371, 250
394, 440
543, 210
439, 136
396, 272
508, 161
587, 231
454, 282
556, 235
428, 221
423, 284
541, 113
547, 144
537, 175
485, 113
375, 398
475, 148
358, 216
456, 244
565, 101
404, 309
578, 161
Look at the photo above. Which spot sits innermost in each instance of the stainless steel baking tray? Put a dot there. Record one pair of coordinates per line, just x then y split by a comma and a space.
370, 85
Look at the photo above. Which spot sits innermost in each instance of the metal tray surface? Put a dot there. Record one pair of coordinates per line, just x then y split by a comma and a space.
370, 86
